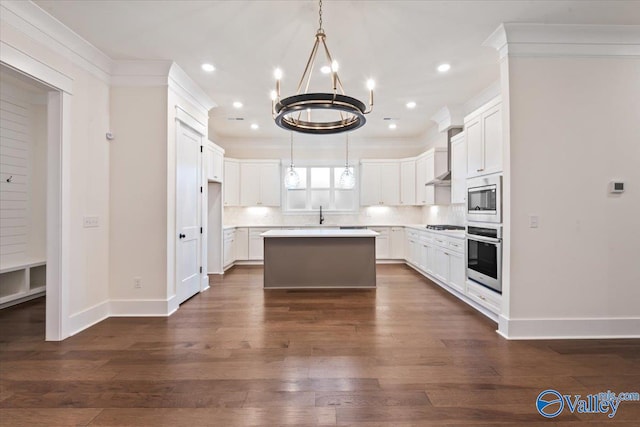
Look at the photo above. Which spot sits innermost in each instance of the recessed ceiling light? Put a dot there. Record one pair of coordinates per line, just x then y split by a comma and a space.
325, 70
237, 104
254, 126
208, 67
411, 105
443, 68
392, 126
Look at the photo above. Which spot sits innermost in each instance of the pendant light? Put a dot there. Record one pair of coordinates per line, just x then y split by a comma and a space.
348, 112
291, 177
348, 178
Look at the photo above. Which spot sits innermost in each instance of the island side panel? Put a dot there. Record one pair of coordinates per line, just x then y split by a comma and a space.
319, 262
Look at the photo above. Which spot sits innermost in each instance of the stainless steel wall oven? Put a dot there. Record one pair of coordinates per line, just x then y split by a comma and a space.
484, 255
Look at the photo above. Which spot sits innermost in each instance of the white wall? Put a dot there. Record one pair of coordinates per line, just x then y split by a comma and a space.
138, 193
574, 126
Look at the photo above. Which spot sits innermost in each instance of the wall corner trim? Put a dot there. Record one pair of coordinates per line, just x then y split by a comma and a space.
86, 318
565, 40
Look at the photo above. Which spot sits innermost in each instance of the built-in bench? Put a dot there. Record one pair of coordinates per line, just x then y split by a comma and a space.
22, 281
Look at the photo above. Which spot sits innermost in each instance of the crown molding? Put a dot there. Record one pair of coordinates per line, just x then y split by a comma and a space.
519, 39
187, 88
448, 117
140, 73
44, 28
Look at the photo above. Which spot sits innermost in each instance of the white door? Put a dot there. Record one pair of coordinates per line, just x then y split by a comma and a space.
188, 199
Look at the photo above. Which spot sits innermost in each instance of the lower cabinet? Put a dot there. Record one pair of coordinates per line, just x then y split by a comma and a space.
396, 243
242, 244
228, 247
442, 259
382, 242
256, 243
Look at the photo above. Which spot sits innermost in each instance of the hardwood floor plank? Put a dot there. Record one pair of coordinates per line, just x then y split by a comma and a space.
405, 354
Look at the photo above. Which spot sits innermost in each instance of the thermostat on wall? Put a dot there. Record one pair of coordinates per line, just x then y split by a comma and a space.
616, 187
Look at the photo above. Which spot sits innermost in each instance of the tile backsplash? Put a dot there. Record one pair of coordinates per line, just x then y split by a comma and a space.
445, 214
373, 215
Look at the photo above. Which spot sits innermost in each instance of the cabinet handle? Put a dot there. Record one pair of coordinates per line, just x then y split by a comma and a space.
480, 170
482, 298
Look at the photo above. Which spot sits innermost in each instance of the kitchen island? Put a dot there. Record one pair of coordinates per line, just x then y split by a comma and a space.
319, 258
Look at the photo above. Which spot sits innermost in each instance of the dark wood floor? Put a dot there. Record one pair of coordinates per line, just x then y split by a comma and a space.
405, 354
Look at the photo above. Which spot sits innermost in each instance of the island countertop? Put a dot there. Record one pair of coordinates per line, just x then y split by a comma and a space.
331, 232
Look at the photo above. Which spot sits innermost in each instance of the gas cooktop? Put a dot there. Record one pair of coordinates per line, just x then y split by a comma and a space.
441, 227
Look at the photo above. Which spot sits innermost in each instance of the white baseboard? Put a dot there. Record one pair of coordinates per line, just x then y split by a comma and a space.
143, 308
86, 318
584, 328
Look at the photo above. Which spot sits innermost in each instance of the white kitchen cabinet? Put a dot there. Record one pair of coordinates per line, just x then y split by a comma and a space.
483, 134
228, 248
260, 183
256, 243
441, 265
427, 256
396, 243
408, 182
231, 182
458, 169
382, 242
456, 271
242, 244
429, 165
485, 297
412, 247
214, 162
380, 183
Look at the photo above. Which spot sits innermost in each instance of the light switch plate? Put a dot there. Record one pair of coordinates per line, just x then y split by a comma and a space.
534, 221
91, 222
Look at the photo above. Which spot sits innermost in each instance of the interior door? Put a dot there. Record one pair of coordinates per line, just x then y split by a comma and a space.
188, 199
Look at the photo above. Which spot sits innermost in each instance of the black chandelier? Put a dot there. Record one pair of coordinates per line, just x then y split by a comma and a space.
319, 112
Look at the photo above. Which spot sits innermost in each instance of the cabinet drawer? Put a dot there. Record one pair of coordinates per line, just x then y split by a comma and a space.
484, 297
456, 245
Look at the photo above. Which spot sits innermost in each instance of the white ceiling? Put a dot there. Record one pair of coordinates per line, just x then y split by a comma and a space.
398, 43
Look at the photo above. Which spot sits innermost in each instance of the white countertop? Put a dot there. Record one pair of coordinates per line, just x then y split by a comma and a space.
331, 232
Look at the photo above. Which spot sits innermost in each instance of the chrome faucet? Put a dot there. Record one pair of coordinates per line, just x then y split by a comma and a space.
321, 217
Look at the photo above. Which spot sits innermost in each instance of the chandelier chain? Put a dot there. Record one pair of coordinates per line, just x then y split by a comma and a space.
320, 16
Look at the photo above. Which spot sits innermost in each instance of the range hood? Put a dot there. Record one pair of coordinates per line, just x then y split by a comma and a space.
444, 179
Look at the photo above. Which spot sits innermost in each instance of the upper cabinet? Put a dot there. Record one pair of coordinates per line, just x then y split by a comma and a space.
430, 165
231, 182
380, 183
408, 182
260, 183
458, 169
214, 161
483, 130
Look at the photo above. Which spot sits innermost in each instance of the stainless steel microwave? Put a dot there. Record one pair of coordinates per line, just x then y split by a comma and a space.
484, 199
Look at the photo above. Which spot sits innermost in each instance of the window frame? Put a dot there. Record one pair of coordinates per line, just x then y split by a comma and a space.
333, 190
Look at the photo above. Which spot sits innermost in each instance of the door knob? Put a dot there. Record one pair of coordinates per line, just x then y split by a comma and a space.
182, 236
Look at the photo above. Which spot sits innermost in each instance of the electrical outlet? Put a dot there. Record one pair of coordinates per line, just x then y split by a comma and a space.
534, 221
91, 221
137, 282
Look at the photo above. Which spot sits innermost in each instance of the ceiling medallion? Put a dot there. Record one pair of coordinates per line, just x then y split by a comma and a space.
319, 112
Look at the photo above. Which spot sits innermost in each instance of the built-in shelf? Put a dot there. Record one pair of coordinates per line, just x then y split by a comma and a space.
21, 282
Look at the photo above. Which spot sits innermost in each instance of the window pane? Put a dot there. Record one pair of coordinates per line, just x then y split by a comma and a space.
345, 199
297, 199
302, 173
320, 198
320, 177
